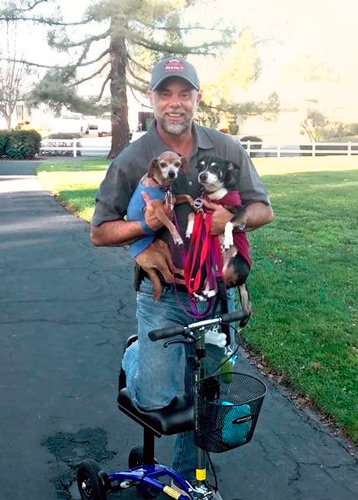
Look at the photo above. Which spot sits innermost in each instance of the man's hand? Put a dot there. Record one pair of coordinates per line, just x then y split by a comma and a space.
220, 217
151, 209
257, 214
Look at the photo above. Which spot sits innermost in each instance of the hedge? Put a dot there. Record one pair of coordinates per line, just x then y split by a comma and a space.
19, 144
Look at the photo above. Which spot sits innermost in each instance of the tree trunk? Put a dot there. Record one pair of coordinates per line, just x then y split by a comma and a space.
118, 86
8, 120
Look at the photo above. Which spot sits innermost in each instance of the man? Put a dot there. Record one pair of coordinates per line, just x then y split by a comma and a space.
174, 95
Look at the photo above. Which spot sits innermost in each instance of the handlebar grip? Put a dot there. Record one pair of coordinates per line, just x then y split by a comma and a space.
234, 316
165, 333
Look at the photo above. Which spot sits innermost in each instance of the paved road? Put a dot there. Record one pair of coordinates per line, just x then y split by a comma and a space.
65, 309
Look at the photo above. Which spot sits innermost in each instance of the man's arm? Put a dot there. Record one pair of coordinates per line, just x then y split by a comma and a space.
120, 232
256, 214
115, 233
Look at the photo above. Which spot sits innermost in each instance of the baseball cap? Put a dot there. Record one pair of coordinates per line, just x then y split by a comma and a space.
173, 66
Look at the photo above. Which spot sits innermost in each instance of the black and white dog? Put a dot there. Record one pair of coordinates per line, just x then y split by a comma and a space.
218, 178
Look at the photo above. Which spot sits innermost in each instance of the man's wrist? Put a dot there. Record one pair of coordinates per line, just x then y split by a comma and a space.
241, 222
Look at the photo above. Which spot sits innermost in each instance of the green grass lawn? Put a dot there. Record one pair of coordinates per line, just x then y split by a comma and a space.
305, 277
74, 183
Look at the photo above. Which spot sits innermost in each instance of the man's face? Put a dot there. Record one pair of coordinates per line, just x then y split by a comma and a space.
174, 105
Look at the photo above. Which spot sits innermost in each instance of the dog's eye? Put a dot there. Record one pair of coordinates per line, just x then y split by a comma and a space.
213, 164
177, 164
162, 164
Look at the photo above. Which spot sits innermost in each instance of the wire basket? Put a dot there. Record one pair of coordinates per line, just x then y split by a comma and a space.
227, 407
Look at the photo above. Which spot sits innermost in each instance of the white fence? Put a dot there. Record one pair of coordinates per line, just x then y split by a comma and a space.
101, 147
76, 147
259, 149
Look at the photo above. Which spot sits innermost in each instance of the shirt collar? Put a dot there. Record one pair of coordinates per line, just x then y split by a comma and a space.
202, 140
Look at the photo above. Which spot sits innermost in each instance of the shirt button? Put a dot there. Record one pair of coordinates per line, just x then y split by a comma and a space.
190, 183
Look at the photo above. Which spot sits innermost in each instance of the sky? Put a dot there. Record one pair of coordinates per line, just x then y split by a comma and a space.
285, 29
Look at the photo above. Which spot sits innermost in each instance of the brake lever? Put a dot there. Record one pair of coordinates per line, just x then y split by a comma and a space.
189, 340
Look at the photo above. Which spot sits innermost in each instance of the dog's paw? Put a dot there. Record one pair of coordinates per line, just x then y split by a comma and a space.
228, 235
209, 293
189, 228
178, 241
198, 297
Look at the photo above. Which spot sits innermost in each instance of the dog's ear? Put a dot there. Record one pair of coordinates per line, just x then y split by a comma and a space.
231, 175
151, 169
185, 165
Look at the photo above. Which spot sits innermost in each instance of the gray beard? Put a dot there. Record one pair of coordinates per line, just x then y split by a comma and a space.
177, 128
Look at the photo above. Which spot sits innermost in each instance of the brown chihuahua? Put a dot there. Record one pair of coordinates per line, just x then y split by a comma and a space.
162, 172
159, 178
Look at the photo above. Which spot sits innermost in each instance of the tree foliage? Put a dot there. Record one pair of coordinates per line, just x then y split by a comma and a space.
237, 68
117, 42
318, 127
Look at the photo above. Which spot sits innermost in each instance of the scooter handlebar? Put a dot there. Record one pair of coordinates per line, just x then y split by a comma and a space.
166, 333
172, 331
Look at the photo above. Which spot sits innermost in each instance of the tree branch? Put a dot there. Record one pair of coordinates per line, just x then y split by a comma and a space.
136, 63
94, 38
35, 4
138, 78
104, 86
78, 82
134, 86
41, 20
159, 47
187, 28
88, 63
136, 98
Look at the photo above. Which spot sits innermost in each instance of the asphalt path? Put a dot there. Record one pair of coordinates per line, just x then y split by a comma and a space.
65, 310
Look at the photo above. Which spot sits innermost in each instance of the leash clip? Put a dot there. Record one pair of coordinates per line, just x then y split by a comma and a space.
198, 204
168, 199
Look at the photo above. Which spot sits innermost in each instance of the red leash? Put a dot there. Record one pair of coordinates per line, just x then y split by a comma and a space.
202, 269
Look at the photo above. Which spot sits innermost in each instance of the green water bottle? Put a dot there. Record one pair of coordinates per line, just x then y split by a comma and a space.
228, 361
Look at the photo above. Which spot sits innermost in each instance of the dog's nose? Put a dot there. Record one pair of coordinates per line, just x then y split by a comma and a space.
203, 176
171, 174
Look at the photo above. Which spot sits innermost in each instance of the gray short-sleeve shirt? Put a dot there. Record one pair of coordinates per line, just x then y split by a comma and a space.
131, 164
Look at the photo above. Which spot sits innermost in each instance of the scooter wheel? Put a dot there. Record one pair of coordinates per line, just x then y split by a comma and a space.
134, 460
89, 483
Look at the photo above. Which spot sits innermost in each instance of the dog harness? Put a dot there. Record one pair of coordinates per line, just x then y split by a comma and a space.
233, 199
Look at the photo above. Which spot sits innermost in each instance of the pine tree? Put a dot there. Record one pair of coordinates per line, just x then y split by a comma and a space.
126, 38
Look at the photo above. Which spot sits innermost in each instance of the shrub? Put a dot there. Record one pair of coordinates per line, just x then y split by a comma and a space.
233, 128
23, 144
352, 129
64, 135
252, 139
4, 137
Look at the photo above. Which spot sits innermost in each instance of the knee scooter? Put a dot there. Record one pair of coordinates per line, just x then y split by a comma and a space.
223, 417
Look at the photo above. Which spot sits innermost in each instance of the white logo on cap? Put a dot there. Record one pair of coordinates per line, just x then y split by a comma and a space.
174, 66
